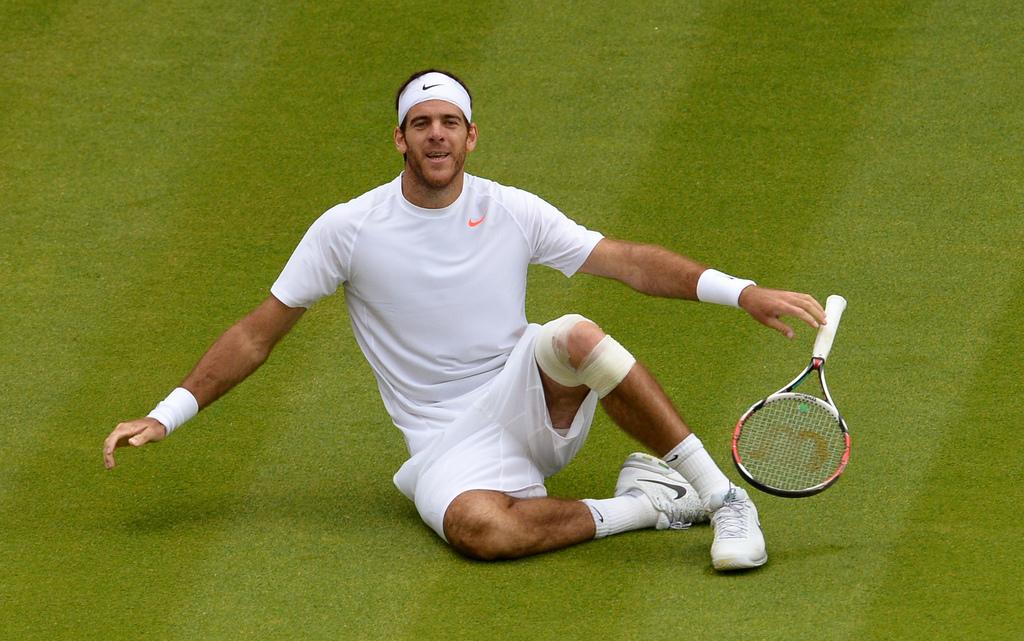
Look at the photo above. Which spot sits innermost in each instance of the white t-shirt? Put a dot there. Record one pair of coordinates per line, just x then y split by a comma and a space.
436, 297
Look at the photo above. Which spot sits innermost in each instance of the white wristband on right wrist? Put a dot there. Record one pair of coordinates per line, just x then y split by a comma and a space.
173, 411
716, 287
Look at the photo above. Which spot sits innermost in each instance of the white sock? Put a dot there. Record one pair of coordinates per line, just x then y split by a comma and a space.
631, 511
690, 459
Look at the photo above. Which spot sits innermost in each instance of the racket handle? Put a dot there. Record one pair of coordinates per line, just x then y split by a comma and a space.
834, 306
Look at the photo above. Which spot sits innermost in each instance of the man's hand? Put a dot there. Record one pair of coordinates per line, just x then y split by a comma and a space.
768, 305
135, 433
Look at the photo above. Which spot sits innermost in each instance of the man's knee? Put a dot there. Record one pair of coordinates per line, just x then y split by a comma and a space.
475, 524
574, 351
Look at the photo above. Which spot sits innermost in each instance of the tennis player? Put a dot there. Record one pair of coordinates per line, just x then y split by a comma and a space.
434, 267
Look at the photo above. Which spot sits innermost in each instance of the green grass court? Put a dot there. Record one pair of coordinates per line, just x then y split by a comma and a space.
159, 161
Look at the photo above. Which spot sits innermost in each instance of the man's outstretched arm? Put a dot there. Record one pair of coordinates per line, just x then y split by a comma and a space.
656, 271
234, 356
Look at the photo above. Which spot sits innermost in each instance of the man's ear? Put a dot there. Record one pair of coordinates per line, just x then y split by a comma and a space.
399, 138
472, 137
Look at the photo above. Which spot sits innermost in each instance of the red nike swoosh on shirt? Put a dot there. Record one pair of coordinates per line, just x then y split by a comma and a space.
474, 223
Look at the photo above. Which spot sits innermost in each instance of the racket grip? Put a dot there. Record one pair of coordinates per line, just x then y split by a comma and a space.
834, 307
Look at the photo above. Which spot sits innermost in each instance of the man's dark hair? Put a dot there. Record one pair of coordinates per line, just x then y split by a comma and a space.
416, 75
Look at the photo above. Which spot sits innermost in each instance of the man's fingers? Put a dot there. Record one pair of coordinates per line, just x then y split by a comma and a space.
776, 324
811, 308
799, 306
768, 305
806, 313
112, 443
143, 437
134, 433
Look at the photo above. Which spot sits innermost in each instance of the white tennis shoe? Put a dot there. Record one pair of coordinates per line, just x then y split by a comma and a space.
739, 542
675, 500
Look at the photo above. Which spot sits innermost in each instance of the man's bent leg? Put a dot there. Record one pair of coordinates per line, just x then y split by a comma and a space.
489, 525
569, 352
631, 396
641, 407
636, 402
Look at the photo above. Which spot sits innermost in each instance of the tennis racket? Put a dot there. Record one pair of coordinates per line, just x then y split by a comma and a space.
796, 444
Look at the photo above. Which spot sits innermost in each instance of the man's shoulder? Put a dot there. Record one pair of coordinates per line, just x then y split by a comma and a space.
376, 196
512, 198
362, 204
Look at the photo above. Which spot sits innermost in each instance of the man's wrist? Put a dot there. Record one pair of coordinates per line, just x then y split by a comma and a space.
717, 287
172, 412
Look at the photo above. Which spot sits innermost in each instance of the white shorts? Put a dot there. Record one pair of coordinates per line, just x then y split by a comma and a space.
503, 442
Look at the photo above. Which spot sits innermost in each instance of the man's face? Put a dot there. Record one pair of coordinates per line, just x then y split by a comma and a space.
435, 143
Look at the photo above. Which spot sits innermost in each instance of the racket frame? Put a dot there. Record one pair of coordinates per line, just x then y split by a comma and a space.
817, 365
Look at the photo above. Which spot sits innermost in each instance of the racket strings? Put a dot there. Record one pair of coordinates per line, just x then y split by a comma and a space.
792, 443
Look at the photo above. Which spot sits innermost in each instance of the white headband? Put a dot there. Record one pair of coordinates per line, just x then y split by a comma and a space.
434, 86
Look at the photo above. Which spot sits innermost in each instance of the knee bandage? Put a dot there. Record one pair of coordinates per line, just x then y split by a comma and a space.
603, 368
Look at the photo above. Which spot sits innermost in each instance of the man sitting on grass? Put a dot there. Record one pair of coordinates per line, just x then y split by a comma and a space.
434, 267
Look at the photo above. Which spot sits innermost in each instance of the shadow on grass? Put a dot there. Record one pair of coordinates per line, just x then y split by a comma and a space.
323, 507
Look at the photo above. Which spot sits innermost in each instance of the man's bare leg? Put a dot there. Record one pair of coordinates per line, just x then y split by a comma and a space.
640, 407
638, 404
489, 525
492, 525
